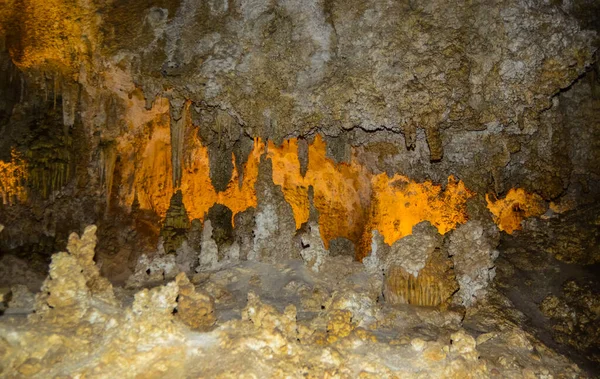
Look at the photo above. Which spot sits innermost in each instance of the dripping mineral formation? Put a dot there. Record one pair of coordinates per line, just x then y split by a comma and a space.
339, 189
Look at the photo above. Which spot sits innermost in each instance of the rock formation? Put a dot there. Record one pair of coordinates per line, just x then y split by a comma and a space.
299, 188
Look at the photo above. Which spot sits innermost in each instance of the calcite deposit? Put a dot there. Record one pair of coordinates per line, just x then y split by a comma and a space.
299, 188
264, 328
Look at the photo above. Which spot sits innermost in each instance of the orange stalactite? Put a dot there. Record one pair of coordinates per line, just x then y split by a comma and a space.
199, 195
351, 201
514, 208
153, 183
341, 191
13, 175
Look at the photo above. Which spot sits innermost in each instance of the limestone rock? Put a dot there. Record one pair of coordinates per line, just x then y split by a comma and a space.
413, 251
83, 249
473, 251
195, 309
264, 316
434, 285
275, 225
176, 224
186, 258
73, 281
313, 249
339, 325
575, 317
153, 270
151, 313
209, 253
65, 297
464, 344
21, 299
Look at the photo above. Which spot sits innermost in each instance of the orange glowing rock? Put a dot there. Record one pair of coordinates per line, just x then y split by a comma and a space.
199, 195
13, 175
341, 191
350, 200
400, 204
52, 33
514, 208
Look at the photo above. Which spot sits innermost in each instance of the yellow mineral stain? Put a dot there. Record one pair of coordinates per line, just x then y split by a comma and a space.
352, 202
514, 208
153, 183
52, 33
13, 175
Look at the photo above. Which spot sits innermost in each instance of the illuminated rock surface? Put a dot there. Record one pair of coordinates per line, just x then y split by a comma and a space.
299, 188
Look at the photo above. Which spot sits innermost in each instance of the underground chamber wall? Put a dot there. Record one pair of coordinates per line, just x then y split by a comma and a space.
322, 189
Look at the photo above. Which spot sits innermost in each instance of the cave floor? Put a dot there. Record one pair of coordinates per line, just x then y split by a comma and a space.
280, 320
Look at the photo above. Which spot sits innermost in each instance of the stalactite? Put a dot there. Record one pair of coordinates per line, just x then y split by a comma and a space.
70, 99
434, 140
180, 119
108, 159
13, 175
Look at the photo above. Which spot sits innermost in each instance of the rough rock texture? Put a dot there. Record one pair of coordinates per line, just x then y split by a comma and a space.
153, 270
575, 317
209, 252
21, 299
195, 309
573, 238
342, 246
275, 224
108, 104
83, 249
412, 252
262, 331
433, 285
73, 282
176, 224
246, 116
313, 250
415, 268
472, 248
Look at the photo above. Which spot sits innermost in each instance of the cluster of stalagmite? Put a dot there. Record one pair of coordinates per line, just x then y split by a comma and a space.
259, 319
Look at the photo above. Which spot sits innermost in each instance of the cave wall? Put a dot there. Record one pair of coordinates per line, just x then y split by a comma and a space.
114, 105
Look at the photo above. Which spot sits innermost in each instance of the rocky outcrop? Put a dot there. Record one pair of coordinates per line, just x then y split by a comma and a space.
275, 225
473, 249
196, 309
176, 224
262, 329
73, 283
575, 317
